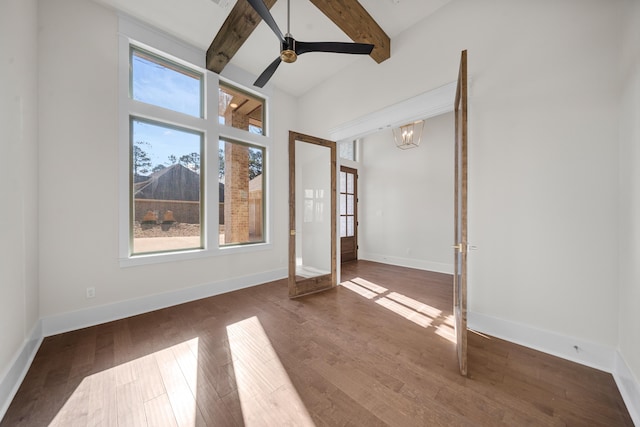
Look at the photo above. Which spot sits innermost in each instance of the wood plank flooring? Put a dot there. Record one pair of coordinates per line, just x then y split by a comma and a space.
374, 352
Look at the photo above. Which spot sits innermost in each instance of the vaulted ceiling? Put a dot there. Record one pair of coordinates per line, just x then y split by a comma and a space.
198, 22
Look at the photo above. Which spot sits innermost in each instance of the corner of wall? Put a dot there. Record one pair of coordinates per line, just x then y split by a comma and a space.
585, 353
629, 387
11, 380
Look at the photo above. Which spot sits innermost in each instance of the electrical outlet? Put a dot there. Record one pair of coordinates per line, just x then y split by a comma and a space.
91, 292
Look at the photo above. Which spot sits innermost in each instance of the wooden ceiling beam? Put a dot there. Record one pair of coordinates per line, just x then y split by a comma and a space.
235, 30
355, 22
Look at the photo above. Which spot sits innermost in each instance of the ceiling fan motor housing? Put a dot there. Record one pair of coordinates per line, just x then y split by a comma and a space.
288, 52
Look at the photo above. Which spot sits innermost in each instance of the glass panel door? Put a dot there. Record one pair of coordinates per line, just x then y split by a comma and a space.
348, 214
312, 219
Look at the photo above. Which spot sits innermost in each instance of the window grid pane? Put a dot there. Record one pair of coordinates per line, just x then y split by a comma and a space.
240, 110
165, 84
347, 204
166, 187
241, 193
350, 183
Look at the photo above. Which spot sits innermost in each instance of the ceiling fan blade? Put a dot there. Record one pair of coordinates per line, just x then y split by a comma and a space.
334, 47
266, 16
267, 73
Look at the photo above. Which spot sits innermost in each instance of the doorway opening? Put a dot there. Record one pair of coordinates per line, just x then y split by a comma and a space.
348, 214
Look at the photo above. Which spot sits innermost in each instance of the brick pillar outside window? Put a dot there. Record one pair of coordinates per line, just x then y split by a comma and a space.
236, 188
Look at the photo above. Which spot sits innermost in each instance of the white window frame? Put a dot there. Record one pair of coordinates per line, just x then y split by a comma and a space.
135, 33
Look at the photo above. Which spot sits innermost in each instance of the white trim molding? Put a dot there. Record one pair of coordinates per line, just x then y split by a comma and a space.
13, 377
79, 319
629, 387
597, 356
586, 353
419, 264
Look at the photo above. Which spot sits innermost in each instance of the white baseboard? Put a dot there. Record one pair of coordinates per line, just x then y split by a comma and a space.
597, 356
629, 387
18, 368
438, 267
590, 354
71, 321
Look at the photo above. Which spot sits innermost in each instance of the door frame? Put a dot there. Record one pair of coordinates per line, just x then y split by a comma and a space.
311, 285
461, 246
354, 172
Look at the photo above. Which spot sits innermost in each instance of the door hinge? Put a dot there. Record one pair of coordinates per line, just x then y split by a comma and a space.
466, 247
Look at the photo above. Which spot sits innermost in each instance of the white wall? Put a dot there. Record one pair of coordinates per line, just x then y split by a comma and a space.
543, 149
630, 198
406, 198
79, 174
18, 187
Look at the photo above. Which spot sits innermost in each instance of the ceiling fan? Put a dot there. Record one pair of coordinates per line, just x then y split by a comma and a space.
291, 48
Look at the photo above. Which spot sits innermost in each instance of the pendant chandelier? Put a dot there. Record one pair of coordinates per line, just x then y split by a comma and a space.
409, 135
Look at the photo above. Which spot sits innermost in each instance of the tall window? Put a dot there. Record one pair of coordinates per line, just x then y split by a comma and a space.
172, 135
165, 158
241, 168
242, 182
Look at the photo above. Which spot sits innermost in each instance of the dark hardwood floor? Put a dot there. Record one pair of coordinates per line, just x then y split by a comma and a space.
376, 351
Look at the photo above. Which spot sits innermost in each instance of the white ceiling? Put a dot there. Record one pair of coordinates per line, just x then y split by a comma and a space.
198, 21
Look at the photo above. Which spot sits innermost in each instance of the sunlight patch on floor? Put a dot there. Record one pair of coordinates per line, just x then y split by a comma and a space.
149, 391
406, 312
415, 304
267, 396
369, 285
411, 309
359, 290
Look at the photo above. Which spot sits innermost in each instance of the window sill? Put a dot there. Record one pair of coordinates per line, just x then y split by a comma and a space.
159, 258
